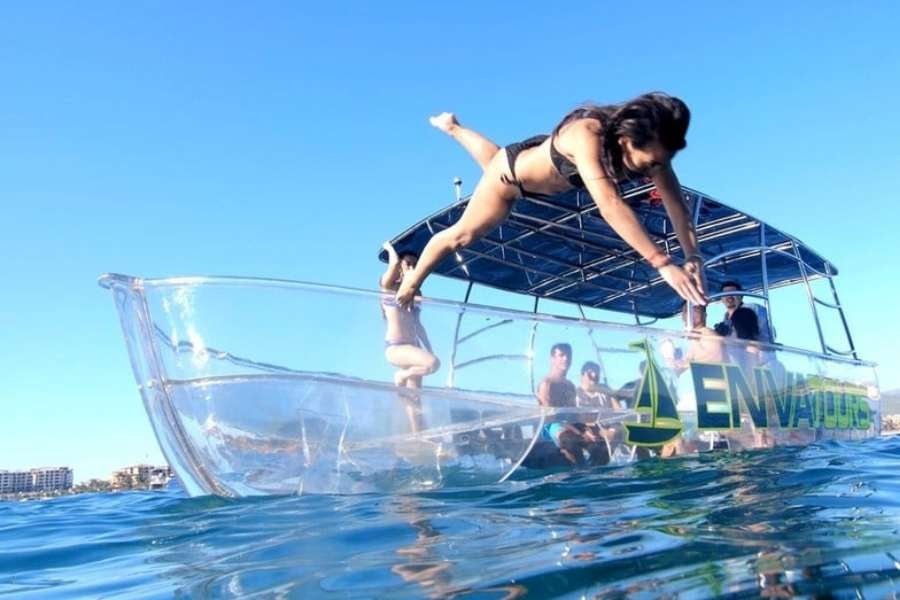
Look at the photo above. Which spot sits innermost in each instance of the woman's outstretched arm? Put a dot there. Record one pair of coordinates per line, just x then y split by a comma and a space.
673, 200
669, 188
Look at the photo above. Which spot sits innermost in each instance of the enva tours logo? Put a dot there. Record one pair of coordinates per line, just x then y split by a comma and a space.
722, 393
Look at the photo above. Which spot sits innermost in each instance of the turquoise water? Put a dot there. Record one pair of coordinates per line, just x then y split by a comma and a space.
824, 519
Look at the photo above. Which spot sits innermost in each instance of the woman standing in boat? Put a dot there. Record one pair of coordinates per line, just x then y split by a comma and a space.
406, 344
593, 146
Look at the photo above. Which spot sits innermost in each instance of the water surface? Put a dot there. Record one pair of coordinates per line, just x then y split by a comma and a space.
809, 521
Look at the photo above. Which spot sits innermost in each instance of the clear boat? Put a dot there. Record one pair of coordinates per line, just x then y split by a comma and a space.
261, 386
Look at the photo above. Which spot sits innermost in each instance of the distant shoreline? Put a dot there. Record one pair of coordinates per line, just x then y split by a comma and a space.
74, 491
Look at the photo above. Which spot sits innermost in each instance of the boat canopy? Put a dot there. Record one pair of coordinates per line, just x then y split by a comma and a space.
561, 249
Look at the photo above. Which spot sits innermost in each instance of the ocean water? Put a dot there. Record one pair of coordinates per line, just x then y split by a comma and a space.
821, 521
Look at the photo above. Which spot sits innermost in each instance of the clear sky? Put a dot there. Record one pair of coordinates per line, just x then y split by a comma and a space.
159, 139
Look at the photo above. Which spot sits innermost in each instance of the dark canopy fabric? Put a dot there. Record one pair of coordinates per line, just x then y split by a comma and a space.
560, 248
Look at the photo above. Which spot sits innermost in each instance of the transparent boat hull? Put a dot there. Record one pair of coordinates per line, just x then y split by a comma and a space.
275, 387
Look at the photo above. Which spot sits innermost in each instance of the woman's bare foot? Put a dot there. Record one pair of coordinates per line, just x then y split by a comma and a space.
446, 122
400, 378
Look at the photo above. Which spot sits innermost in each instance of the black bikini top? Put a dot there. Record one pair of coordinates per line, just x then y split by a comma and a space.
564, 166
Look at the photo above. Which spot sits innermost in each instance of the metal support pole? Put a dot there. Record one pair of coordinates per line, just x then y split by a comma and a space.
695, 219
763, 257
840, 310
696, 215
666, 238
809, 294
595, 345
580, 248
531, 345
451, 372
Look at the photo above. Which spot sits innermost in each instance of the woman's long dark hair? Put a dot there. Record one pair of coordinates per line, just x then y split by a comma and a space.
653, 116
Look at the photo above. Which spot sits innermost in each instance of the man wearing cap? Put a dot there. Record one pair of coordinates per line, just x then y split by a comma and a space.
591, 392
732, 303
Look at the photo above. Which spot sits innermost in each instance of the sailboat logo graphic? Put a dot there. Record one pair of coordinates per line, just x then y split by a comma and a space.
654, 398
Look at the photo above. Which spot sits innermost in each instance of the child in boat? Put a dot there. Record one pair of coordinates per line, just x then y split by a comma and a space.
593, 146
406, 343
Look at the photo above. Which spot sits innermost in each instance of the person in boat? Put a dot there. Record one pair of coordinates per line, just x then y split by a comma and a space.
765, 357
591, 392
732, 303
406, 343
573, 439
625, 394
748, 355
745, 327
595, 147
706, 347
555, 389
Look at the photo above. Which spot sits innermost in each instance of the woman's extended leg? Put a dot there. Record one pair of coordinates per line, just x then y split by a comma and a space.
490, 203
481, 148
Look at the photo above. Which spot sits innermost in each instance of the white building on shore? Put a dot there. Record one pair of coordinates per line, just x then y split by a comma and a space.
36, 480
141, 477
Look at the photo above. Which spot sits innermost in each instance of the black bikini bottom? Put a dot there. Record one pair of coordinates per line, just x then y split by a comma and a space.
512, 152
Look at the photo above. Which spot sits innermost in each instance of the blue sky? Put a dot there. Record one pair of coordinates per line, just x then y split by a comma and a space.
162, 138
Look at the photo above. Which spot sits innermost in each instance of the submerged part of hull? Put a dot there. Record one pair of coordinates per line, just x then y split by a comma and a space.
282, 434
271, 387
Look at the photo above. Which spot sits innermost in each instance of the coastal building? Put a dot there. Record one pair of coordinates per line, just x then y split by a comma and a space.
890, 424
141, 477
12, 482
36, 480
160, 477
132, 476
